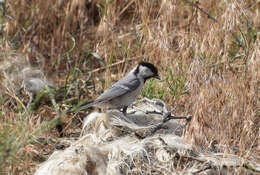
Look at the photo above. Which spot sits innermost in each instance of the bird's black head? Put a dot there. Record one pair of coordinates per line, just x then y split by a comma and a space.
147, 70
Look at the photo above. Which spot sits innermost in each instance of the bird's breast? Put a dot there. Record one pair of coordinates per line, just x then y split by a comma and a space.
138, 90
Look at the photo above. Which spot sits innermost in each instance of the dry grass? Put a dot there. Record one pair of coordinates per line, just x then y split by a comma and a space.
207, 71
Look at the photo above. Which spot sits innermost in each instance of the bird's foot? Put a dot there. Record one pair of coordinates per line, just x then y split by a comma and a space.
124, 110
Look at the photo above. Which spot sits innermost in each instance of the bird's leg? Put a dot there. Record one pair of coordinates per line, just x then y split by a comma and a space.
124, 110
59, 128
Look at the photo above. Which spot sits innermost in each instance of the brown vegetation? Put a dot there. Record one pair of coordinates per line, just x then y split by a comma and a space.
207, 53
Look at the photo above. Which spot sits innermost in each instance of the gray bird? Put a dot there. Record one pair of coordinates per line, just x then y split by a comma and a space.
125, 91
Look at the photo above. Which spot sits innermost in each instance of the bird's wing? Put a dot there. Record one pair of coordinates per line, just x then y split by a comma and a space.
124, 85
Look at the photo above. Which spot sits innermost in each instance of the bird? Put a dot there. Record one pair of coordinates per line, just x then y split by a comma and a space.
125, 91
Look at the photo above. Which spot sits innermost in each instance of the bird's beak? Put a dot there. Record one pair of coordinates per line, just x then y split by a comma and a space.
157, 77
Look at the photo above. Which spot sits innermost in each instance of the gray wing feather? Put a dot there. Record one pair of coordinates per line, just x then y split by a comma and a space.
86, 105
126, 84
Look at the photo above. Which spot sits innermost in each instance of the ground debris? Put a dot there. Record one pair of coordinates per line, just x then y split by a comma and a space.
109, 145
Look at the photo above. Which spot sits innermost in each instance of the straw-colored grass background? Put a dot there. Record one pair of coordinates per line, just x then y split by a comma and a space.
210, 69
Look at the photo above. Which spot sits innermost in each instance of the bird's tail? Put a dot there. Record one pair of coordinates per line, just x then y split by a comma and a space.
86, 105
83, 106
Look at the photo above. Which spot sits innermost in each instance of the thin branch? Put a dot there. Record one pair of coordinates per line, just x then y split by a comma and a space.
203, 11
165, 113
165, 120
126, 7
241, 44
111, 65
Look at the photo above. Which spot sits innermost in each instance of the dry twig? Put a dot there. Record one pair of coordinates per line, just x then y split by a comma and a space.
241, 44
167, 115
